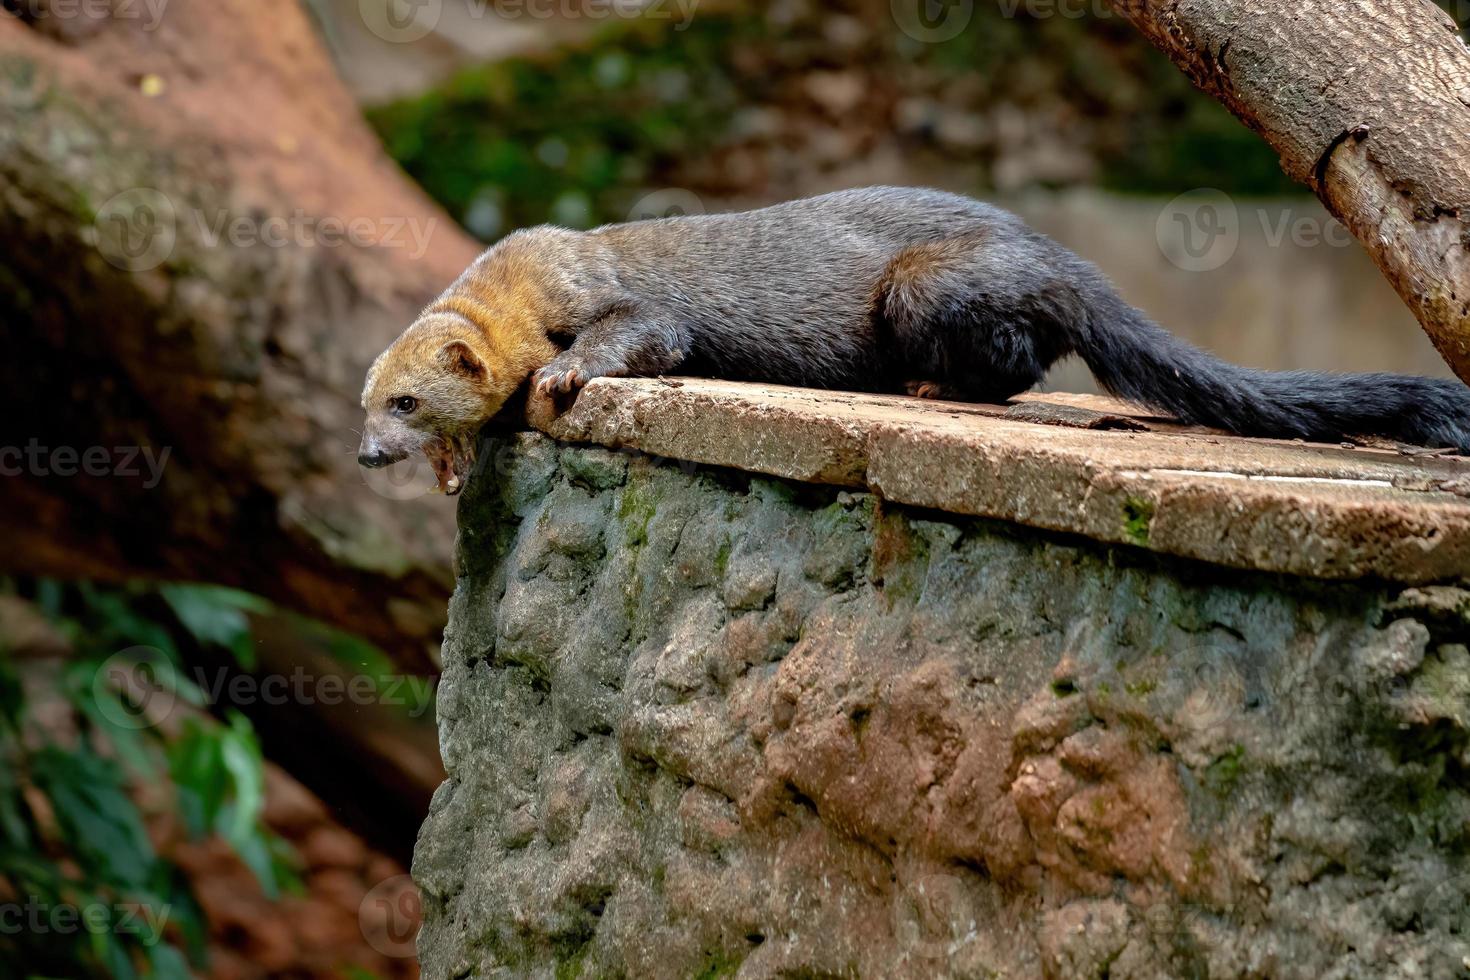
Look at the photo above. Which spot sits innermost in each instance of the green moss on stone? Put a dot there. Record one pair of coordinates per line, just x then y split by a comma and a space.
717, 964
572, 967
900, 557
636, 509
1224, 773
1138, 516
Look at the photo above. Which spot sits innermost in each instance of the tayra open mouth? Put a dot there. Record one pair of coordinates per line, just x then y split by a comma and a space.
451, 460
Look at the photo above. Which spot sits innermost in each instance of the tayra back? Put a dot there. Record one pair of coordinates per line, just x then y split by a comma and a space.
883, 289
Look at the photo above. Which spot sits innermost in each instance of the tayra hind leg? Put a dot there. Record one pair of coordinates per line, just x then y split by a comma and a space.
975, 318
617, 346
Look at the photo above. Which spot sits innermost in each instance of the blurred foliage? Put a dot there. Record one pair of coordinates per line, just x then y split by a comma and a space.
83, 893
216, 615
1151, 130
572, 136
523, 141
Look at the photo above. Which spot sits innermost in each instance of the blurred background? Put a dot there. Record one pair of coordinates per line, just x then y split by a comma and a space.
218, 638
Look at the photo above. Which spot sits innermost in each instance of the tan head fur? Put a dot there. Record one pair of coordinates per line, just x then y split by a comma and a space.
453, 368
436, 380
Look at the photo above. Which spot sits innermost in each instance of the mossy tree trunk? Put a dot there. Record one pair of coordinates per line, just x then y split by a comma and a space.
204, 247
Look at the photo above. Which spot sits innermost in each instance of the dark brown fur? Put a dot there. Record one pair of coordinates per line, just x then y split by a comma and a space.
881, 289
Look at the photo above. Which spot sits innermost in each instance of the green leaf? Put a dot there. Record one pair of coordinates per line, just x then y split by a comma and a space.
167, 963
49, 597
116, 958
241, 757
15, 829
137, 751
12, 695
217, 615
101, 823
113, 620
255, 852
186, 918
197, 768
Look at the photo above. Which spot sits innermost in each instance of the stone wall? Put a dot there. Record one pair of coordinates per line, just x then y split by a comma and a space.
700, 722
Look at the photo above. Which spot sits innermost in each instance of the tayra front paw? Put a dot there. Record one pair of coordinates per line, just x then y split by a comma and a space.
569, 372
561, 380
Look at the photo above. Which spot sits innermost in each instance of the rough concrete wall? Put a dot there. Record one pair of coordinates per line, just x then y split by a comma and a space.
704, 725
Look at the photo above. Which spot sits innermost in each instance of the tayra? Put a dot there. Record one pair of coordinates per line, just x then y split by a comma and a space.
881, 289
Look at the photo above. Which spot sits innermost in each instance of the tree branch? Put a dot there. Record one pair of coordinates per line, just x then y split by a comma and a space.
1368, 103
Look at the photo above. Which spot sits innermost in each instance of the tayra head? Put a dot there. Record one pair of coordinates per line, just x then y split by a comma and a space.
430, 392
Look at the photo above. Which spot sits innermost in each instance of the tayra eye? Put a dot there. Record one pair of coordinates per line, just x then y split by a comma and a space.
406, 404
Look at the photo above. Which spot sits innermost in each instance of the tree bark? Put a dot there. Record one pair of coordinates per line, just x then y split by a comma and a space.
1368, 103
181, 272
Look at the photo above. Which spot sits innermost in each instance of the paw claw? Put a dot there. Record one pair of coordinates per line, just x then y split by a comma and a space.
552, 380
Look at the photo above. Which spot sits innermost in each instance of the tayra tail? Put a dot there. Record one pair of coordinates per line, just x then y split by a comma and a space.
1136, 359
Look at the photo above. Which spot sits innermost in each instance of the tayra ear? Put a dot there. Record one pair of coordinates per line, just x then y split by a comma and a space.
459, 358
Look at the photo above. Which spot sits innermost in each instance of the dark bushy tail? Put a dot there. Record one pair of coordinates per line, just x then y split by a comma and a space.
1136, 359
